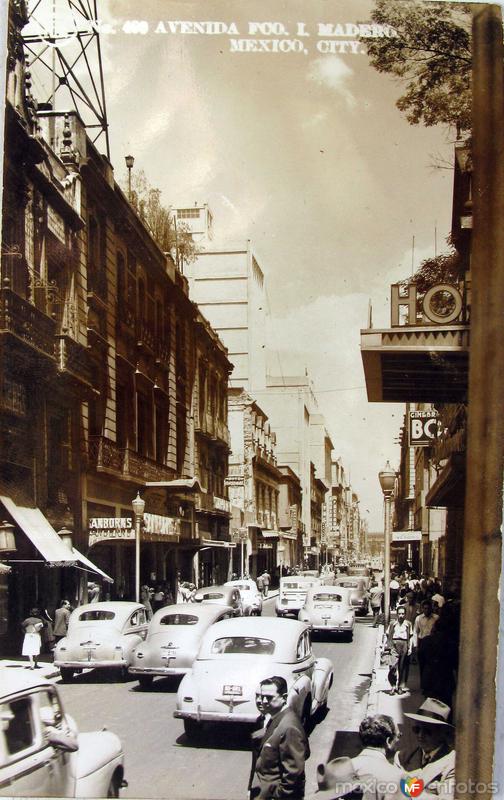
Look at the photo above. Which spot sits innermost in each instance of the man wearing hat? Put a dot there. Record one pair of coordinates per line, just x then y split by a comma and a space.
433, 760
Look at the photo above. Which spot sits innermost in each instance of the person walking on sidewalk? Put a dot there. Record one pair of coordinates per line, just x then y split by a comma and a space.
266, 579
422, 628
375, 601
61, 617
32, 642
394, 592
400, 642
433, 760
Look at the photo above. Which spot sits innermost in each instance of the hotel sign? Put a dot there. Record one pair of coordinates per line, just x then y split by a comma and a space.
442, 304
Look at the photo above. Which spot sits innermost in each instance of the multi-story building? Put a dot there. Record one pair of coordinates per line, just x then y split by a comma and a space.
290, 545
253, 482
110, 375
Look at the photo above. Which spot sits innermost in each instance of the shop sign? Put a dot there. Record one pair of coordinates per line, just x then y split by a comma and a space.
265, 546
165, 526
424, 428
406, 536
105, 528
442, 304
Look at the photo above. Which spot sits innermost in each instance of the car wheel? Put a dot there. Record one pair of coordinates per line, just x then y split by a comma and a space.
306, 713
145, 681
114, 786
192, 729
67, 674
349, 636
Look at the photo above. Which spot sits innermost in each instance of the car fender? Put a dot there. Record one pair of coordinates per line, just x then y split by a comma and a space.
129, 643
187, 688
321, 679
298, 692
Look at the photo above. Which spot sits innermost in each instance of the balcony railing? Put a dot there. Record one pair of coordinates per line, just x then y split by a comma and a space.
210, 502
73, 359
210, 426
105, 456
24, 321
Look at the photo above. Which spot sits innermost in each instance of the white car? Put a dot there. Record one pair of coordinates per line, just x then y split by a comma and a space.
292, 593
101, 635
250, 596
41, 752
235, 655
328, 608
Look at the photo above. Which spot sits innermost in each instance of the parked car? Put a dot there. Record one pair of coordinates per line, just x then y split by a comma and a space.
292, 593
221, 596
173, 639
235, 655
359, 571
101, 635
250, 596
359, 597
42, 754
328, 608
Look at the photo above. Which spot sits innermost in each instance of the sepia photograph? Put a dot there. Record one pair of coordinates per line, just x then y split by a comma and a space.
251, 382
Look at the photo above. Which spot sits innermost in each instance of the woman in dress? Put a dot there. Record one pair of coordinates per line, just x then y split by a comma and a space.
32, 641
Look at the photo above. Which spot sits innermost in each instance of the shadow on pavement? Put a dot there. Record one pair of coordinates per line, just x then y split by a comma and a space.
219, 737
169, 684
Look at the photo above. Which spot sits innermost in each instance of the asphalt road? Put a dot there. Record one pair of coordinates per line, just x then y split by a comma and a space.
160, 762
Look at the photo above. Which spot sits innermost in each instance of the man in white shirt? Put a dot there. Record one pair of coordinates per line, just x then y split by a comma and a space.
424, 624
400, 641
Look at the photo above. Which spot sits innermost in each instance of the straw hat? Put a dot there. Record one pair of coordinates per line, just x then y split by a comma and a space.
336, 778
432, 712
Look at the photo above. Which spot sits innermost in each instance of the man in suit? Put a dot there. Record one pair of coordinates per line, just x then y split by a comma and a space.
280, 760
433, 760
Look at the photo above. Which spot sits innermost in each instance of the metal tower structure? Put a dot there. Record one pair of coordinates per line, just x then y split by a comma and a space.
62, 43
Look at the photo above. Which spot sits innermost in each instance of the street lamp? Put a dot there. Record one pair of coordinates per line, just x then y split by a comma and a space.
387, 478
130, 160
138, 509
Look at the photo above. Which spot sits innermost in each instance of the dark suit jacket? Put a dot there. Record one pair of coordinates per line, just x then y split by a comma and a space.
280, 762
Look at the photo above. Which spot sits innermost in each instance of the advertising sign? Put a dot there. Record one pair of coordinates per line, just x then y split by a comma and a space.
424, 428
406, 536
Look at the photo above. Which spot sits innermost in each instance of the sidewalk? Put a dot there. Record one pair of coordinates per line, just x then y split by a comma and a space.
46, 667
380, 701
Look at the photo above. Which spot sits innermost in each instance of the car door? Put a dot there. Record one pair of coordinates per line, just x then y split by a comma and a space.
135, 630
29, 765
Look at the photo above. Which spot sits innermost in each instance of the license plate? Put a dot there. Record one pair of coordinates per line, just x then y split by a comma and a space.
169, 652
326, 616
232, 689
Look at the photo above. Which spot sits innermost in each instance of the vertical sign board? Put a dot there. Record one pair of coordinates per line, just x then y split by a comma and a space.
424, 428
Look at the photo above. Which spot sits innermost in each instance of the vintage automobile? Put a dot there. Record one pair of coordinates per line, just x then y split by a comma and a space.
359, 597
292, 593
328, 608
221, 596
360, 571
250, 596
101, 635
42, 753
235, 655
173, 640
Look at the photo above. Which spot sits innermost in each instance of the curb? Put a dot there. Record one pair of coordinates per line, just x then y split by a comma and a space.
46, 670
377, 675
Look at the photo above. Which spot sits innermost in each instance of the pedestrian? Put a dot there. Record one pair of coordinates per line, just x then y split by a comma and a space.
371, 771
410, 607
159, 599
441, 656
61, 617
260, 584
145, 599
394, 592
266, 580
375, 600
400, 642
438, 602
32, 642
433, 759
280, 764
422, 628
93, 593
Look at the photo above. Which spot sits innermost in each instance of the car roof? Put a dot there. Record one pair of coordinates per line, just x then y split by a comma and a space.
205, 613
121, 608
284, 632
217, 587
240, 582
328, 590
17, 679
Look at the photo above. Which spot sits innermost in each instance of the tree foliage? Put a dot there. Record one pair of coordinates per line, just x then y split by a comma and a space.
172, 236
431, 55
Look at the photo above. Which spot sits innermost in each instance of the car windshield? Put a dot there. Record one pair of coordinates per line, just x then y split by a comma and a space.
350, 584
242, 586
179, 619
96, 616
329, 597
244, 645
210, 596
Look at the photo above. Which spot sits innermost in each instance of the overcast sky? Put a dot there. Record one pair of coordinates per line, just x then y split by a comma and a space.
306, 155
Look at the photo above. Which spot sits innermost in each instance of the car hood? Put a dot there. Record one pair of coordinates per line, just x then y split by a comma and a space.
96, 749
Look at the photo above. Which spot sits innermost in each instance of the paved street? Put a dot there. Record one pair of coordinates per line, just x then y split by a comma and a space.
159, 760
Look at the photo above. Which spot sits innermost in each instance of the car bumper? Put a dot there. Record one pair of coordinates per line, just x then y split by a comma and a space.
86, 664
159, 670
216, 716
285, 611
333, 628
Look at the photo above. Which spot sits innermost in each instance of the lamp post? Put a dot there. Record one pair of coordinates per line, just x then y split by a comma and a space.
130, 160
387, 478
138, 509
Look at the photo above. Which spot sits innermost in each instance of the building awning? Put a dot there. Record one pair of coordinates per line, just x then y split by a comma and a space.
424, 364
177, 485
216, 543
448, 489
292, 535
270, 534
89, 566
41, 533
